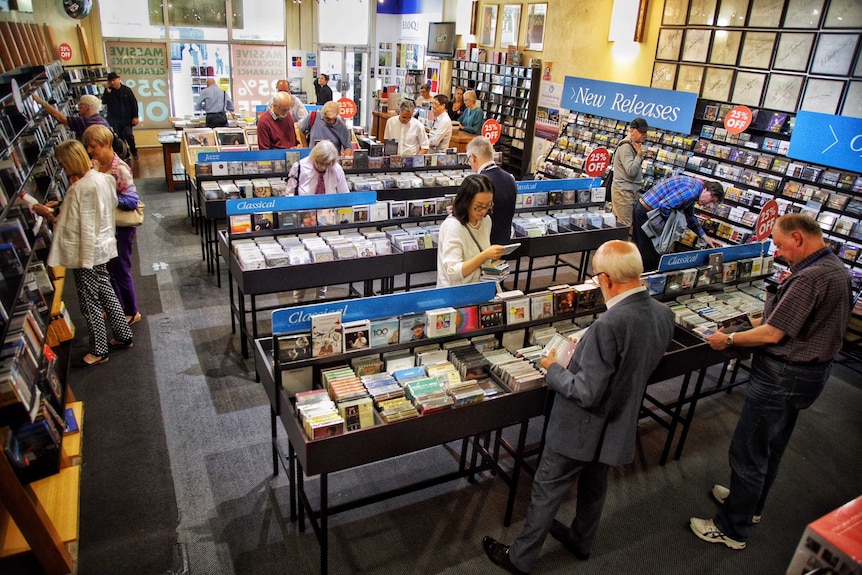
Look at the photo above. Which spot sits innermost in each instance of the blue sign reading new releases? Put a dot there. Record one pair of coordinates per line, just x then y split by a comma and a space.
834, 141
666, 109
530, 186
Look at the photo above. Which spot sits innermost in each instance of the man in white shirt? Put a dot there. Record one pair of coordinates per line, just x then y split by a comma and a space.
297, 108
441, 131
407, 131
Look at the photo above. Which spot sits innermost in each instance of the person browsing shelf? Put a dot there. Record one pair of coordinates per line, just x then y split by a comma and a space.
456, 105
297, 108
480, 155
213, 99
472, 118
441, 131
628, 175
88, 114
99, 143
275, 128
673, 193
328, 125
424, 96
84, 242
802, 330
464, 242
407, 131
593, 421
317, 173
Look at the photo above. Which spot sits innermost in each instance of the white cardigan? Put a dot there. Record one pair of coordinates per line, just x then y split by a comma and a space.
455, 246
84, 232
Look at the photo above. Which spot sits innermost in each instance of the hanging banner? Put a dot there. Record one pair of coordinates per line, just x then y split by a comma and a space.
256, 70
143, 67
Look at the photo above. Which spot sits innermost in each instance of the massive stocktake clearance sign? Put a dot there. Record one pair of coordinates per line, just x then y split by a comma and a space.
666, 109
143, 67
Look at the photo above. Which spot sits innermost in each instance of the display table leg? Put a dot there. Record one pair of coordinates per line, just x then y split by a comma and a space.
689, 415
516, 471
291, 480
675, 419
324, 535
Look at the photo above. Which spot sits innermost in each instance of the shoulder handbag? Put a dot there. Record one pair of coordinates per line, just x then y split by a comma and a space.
218, 119
129, 218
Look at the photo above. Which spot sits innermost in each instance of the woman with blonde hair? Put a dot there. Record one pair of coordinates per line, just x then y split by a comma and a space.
99, 143
84, 242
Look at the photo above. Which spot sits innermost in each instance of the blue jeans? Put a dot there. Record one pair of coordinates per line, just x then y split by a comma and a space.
776, 392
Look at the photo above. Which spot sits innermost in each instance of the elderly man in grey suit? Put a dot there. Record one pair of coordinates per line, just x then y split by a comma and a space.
594, 418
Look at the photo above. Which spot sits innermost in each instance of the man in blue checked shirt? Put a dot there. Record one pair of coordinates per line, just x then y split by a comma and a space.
674, 193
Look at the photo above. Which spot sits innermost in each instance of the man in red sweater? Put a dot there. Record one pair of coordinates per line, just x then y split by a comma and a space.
275, 128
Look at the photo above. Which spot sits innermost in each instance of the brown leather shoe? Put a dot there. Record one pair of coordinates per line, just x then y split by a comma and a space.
561, 533
499, 555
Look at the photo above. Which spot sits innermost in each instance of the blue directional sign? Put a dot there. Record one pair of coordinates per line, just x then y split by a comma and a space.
294, 319
685, 260
530, 186
666, 109
834, 141
285, 203
249, 156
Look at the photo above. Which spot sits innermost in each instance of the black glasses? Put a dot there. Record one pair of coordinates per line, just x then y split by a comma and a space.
596, 275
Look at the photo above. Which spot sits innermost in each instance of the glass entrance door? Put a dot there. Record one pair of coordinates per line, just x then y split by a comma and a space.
347, 68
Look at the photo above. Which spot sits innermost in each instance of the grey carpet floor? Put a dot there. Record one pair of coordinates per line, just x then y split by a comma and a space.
201, 425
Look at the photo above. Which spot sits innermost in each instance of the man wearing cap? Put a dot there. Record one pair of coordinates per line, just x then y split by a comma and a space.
122, 107
88, 114
628, 177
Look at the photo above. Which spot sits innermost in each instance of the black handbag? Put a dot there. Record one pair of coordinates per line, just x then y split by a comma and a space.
218, 119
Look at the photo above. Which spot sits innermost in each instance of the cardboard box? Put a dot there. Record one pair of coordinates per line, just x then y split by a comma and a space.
834, 541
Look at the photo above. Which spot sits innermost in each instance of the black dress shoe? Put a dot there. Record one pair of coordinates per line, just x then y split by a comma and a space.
499, 555
561, 533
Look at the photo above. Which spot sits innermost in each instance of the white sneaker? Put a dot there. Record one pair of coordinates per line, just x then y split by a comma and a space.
705, 529
720, 493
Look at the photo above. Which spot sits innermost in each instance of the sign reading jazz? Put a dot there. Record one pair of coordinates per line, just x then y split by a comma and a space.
143, 67
834, 141
666, 109
256, 70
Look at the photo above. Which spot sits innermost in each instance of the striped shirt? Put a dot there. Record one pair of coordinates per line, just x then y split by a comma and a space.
812, 306
677, 193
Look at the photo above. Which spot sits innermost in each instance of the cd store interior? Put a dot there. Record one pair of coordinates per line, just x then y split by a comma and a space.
389, 398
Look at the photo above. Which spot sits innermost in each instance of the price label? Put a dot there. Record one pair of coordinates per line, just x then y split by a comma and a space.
491, 130
346, 108
597, 162
65, 52
766, 220
737, 120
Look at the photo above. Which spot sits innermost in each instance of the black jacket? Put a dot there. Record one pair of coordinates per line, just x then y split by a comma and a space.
122, 106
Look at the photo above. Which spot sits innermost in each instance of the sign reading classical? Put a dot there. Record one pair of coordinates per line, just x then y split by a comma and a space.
143, 67
665, 109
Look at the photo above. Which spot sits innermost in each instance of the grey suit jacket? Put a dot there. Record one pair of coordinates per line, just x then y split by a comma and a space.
605, 381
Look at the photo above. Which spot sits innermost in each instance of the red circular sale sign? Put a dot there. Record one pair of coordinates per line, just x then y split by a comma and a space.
491, 130
737, 120
766, 220
346, 108
597, 162
65, 52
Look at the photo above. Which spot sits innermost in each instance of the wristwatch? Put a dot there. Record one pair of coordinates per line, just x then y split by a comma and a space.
729, 340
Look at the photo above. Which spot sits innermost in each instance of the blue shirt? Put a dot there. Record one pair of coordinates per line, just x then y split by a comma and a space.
471, 120
214, 99
677, 193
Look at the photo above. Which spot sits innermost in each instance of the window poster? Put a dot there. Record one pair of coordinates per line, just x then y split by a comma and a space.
143, 67
256, 70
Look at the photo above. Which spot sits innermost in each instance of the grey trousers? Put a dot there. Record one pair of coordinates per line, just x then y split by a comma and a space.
555, 476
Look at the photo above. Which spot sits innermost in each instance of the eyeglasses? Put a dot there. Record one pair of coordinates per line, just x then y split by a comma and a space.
483, 207
330, 120
595, 277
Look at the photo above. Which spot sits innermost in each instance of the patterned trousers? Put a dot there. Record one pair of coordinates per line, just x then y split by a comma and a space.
96, 294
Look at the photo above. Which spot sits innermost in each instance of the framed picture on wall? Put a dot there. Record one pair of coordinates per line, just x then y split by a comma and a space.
716, 84
511, 25
803, 14
695, 46
844, 14
663, 75
748, 88
757, 49
675, 12
725, 47
834, 54
701, 13
765, 13
732, 13
669, 43
853, 101
536, 14
689, 78
822, 96
794, 51
782, 92
488, 25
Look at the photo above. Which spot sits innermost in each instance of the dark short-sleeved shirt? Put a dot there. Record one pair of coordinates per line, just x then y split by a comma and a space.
812, 306
79, 123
